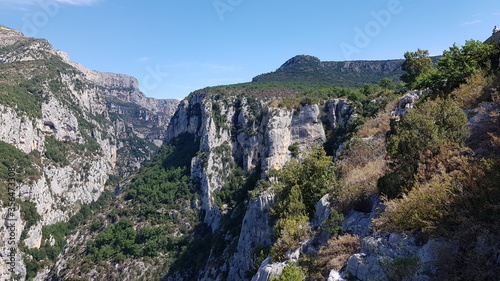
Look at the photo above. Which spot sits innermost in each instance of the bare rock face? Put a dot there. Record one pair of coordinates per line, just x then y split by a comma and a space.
268, 269
380, 252
408, 101
82, 127
255, 230
258, 137
114, 85
9, 36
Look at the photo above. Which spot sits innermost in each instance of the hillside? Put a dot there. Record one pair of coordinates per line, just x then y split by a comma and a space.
67, 135
267, 180
304, 68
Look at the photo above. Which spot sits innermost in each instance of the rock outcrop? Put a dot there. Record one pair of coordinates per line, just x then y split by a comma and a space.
258, 137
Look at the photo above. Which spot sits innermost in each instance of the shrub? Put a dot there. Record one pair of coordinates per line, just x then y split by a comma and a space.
313, 178
290, 232
294, 149
426, 128
259, 253
298, 187
290, 273
333, 223
471, 93
379, 125
439, 182
401, 268
423, 130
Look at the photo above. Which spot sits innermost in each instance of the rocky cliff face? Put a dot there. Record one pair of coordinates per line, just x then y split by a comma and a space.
258, 137
77, 126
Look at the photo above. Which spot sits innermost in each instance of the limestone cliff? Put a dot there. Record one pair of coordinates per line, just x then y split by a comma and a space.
258, 137
77, 126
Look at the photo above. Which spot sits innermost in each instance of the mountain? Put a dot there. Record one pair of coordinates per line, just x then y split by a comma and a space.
68, 133
303, 68
255, 181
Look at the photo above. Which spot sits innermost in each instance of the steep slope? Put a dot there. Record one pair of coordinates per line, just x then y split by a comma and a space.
64, 132
241, 193
255, 181
237, 140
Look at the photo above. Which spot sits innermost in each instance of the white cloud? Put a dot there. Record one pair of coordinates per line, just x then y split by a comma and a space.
219, 67
471, 22
78, 2
143, 59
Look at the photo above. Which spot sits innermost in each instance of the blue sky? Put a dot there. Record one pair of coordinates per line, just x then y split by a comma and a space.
176, 47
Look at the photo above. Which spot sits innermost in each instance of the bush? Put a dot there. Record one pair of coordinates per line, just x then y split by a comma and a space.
313, 178
360, 168
472, 92
426, 128
333, 223
423, 130
299, 186
294, 149
392, 184
290, 232
439, 182
290, 273
401, 268
29, 214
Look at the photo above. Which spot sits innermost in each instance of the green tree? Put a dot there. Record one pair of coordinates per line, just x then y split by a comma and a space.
290, 273
458, 63
415, 64
369, 89
298, 187
309, 180
454, 67
386, 83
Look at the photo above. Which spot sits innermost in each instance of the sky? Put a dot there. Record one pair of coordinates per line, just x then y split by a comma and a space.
176, 47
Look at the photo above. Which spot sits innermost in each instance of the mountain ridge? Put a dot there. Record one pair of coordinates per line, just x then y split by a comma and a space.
306, 68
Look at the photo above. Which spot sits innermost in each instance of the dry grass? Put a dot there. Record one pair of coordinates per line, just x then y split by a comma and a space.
361, 168
440, 184
485, 130
335, 254
477, 257
474, 91
378, 125
360, 182
364, 163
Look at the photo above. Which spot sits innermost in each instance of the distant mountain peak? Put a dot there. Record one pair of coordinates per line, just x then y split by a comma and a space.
300, 61
304, 68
